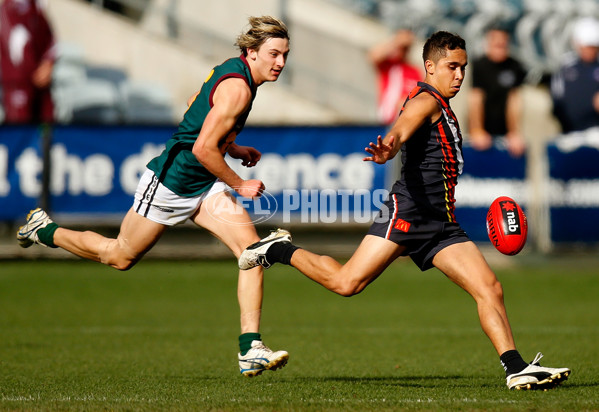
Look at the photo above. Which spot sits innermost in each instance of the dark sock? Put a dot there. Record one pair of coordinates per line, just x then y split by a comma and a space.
46, 234
280, 252
245, 341
512, 362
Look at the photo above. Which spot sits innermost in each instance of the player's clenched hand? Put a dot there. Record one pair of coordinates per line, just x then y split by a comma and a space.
381, 152
248, 155
250, 188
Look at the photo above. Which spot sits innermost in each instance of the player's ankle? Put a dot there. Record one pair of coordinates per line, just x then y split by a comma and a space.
512, 362
46, 234
245, 341
281, 252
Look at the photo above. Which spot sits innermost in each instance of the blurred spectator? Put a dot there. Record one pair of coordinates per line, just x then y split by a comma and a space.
396, 77
575, 85
495, 102
27, 54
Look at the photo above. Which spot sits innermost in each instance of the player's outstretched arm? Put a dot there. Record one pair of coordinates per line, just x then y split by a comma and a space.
423, 108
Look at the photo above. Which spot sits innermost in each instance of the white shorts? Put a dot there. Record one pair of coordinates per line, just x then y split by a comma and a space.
159, 204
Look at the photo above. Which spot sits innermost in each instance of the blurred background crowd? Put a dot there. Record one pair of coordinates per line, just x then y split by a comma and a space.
533, 63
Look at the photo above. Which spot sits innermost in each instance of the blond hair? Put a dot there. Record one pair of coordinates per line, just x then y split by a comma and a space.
261, 29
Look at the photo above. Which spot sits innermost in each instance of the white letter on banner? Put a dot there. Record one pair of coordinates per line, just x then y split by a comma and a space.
328, 170
29, 166
4, 183
309, 209
65, 167
345, 195
362, 201
271, 170
300, 171
328, 206
379, 196
98, 175
356, 173
291, 201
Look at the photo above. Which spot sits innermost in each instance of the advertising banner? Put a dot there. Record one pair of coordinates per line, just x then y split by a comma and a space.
487, 175
20, 176
573, 193
95, 170
313, 175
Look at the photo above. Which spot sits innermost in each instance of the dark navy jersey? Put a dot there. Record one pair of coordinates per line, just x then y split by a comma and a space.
431, 163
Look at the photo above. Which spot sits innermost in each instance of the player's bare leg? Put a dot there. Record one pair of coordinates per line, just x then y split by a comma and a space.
228, 221
466, 266
462, 263
137, 236
373, 256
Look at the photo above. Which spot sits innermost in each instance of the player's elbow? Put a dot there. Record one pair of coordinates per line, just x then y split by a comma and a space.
201, 152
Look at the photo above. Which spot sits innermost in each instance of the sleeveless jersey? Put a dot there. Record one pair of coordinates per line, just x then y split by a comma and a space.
176, 167
431, 162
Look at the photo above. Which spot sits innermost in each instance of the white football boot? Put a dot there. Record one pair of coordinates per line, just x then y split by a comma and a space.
260, 358
27, 234
255, 254
534, 376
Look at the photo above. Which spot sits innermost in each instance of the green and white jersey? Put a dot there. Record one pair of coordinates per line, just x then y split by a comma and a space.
176, 167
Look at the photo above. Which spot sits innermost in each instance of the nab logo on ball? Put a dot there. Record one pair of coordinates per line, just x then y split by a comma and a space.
507, 226
511, 218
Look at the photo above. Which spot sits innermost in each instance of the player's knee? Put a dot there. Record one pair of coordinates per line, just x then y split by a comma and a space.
349, 288
116, 254
123, 264
498, 290
494, 291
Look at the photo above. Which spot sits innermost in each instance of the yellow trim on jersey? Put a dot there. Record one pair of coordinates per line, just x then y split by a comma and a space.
447, 198
209, 76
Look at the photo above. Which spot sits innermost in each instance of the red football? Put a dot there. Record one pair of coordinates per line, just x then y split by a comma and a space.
506, 225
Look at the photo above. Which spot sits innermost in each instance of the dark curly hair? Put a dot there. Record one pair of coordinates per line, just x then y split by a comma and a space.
437, 45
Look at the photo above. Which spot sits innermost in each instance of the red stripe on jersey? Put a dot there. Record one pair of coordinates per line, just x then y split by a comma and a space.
414, 92
449, 163
444, 104
226, 76
441, 99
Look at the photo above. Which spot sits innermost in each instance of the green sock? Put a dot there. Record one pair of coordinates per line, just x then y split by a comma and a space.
245, 341
46, 234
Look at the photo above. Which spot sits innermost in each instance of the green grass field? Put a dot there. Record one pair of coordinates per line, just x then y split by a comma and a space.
79, 336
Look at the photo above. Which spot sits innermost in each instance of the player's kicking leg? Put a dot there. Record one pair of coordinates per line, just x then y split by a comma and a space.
461, 262
465, 265
228, 221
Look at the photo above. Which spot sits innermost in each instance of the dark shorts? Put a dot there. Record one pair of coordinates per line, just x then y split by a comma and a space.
423, 238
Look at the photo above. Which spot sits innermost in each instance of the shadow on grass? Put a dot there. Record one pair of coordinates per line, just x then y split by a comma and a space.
574, 385
399, 381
